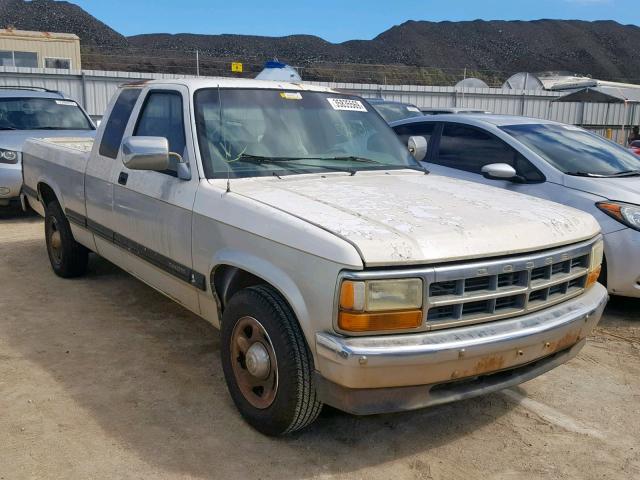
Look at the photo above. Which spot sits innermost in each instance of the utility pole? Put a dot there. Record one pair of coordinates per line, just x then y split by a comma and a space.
197, 63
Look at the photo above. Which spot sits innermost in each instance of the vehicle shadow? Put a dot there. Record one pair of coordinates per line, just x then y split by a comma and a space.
14, 214
621, 311
148, 372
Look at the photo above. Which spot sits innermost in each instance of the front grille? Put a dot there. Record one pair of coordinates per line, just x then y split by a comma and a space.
484, 291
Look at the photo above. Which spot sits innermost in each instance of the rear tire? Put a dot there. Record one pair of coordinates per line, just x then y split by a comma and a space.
266, 362
68, 258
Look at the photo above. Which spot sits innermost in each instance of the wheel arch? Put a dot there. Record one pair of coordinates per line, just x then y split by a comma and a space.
234, 271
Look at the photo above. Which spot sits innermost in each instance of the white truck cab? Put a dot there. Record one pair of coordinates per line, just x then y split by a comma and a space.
339, 271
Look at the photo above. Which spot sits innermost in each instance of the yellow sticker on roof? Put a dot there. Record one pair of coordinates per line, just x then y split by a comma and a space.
291, 95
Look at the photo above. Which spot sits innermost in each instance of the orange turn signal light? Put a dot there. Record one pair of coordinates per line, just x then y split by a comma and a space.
379, 321
593, 277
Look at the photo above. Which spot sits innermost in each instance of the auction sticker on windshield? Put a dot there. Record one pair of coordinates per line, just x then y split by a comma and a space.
347, 104
291, 95
67, 103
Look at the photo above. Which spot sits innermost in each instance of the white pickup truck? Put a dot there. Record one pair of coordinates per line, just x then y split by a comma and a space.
338, 270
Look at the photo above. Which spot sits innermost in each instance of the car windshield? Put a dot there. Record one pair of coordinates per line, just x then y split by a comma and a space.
258, 132
42, 114
575, 151
392, 112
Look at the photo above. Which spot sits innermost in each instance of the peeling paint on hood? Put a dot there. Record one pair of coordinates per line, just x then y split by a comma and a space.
403, 217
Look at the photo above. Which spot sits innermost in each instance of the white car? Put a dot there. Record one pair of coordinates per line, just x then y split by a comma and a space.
291, 217
27, 112
554, 161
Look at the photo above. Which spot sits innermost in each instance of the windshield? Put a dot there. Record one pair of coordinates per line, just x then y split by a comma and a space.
574, 150
42, 114
392, 112
258, 132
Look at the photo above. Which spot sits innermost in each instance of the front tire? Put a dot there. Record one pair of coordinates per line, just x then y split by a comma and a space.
266, 362
68, 258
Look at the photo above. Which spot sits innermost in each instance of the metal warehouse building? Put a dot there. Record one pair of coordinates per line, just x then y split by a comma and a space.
20, 48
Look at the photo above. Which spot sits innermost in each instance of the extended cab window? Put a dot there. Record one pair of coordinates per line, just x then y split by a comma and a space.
114, 130
162, 116
470, 149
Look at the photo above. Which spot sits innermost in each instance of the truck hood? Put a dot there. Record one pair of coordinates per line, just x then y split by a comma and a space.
625, 189
14, 139
408, 218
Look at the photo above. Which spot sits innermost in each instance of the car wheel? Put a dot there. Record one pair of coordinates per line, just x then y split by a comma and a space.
267, 364
68, 258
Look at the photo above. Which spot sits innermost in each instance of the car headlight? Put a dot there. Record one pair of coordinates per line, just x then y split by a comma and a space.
625, 213
9, 156
380, 305
595, 264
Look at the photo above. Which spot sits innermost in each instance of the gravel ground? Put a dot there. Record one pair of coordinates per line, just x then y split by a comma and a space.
102, 377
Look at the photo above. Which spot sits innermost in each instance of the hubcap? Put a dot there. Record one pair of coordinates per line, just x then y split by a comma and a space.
254, 362
55, 242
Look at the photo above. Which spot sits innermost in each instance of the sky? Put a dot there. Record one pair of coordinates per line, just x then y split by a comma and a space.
335, 20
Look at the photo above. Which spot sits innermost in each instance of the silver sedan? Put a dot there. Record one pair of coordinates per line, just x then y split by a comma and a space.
558, 162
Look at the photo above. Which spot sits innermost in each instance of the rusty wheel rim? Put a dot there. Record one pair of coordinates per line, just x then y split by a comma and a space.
55, 241
254, 362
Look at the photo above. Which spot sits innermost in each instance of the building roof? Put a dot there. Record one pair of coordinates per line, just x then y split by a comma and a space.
12, 33
603, 94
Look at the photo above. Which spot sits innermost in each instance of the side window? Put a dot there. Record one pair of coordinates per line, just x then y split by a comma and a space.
117, 122
415, 130
470, 149
162, 116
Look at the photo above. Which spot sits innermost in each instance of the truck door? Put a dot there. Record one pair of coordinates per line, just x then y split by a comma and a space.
103, 162
153, 209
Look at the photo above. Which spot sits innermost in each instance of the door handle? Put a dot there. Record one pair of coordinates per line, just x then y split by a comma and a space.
122, 178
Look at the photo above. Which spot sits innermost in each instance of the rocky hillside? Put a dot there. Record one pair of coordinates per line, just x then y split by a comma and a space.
65, 17
492, 49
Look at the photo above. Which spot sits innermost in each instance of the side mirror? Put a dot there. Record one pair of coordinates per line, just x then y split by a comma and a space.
499, 171
418, 147
145, 153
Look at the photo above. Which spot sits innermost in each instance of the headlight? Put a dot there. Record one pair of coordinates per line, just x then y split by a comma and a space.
379, 305
9, 156
595, 265
625, 213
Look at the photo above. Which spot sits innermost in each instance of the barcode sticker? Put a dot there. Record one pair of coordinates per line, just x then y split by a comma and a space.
347, 104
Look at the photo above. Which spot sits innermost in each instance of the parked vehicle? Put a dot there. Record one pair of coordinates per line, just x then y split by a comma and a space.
446, 110
31, 112
339, 272
549, 160
635, 147
393, 111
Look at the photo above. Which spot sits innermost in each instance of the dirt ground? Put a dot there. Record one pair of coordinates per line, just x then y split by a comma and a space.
102, 377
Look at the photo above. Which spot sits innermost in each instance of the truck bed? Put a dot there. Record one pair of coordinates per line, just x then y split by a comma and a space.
57, 161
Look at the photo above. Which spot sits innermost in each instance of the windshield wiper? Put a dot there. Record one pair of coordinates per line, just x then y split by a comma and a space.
626, 173
585, 174
277, 160
8, 128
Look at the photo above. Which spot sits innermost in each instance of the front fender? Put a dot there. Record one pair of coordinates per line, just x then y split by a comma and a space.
268, 272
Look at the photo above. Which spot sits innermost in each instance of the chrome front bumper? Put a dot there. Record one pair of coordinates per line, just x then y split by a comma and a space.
366, 375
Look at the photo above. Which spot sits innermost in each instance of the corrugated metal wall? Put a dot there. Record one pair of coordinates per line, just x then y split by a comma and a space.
93, 89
